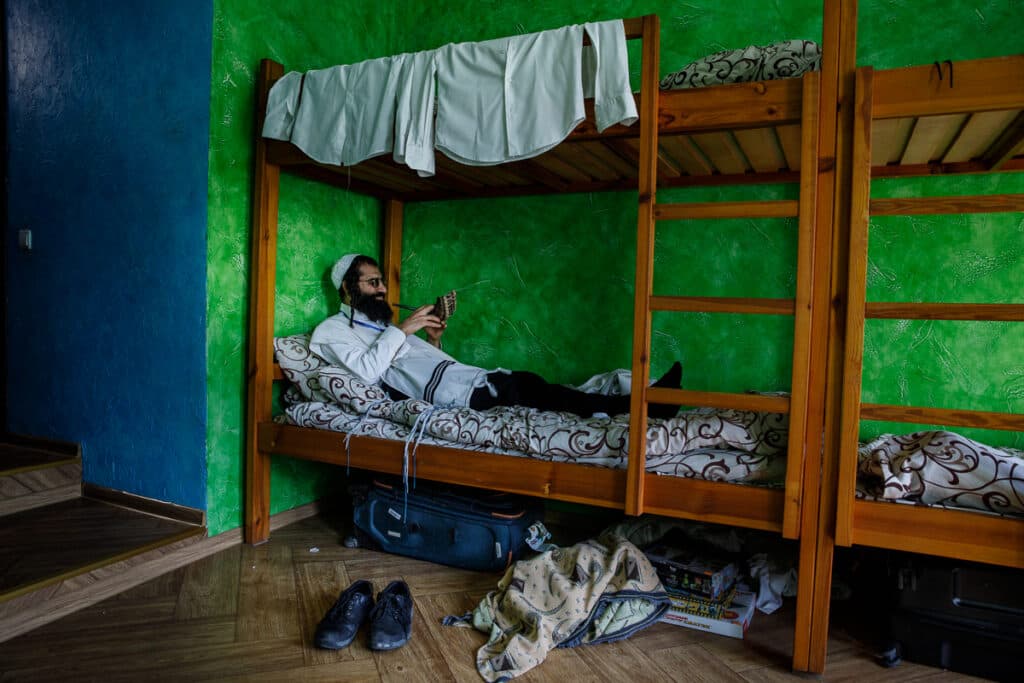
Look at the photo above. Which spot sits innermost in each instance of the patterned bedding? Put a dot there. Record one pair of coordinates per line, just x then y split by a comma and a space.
944, 469
784, 59
924, 468
716, 445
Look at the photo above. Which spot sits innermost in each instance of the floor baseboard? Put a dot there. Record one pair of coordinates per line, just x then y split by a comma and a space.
32, 610
66, 448
149, 506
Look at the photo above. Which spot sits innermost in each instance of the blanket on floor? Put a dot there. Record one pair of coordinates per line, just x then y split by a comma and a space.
596, 591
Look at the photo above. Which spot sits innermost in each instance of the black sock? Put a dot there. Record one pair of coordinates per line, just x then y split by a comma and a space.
670, 380
673, 378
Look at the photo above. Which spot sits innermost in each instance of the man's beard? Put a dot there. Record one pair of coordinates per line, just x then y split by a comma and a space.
373, 306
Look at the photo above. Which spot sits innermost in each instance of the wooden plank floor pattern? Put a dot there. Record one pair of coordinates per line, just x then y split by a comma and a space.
248, 614
45, 544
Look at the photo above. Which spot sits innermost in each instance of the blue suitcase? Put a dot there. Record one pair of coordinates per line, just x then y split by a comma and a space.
455, 526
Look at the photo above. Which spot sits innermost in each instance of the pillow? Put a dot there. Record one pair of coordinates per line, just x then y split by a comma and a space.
785, 59
301, 366
349, 391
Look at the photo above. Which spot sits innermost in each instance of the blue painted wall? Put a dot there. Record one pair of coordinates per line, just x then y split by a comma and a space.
108, 135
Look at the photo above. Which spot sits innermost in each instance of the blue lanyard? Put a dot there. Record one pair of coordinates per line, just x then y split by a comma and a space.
370, 325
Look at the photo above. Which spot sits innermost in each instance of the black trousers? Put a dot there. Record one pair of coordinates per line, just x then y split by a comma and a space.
521, 388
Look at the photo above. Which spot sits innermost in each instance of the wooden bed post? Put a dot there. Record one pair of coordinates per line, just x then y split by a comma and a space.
648, 180
817, 529
801, 391
262, 279
391, 248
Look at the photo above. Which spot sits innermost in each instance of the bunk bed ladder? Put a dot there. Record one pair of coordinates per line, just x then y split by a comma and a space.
799, 307
647, 186
884, 533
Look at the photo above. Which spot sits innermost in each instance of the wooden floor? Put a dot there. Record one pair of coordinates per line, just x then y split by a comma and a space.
15, 457
43, 545
248, 614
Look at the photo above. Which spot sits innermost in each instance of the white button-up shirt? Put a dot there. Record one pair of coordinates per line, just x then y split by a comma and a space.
515, 98
375, 352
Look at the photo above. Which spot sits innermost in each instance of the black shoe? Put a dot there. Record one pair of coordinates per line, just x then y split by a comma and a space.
391, 618
339, 626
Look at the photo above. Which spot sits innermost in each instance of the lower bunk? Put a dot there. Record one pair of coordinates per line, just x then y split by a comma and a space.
940, 493
719, 466
692, 463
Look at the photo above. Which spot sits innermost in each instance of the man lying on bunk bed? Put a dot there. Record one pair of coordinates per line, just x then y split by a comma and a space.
362, 340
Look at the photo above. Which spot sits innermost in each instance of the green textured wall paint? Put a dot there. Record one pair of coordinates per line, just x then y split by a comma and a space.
977, 258
316, 223
895, 33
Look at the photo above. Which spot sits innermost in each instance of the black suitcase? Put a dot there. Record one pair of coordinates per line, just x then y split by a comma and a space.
960, 616
456, 526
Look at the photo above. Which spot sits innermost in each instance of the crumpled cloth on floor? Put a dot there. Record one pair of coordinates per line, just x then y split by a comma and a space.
596, 591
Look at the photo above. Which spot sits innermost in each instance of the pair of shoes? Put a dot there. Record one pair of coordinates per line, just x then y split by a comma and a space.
390, 618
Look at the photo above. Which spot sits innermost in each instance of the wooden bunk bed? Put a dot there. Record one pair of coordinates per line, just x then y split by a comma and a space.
744, 133
908, 121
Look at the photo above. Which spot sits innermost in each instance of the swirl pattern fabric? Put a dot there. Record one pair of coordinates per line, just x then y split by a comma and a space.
701, 444
943, 468
785, 59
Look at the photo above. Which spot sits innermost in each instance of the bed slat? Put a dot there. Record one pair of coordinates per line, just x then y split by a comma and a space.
685, 155
723, 152
762, 149
892, 136
978, 135
931, 137
789, 138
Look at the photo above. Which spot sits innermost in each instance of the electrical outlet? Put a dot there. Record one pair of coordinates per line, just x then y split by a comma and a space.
25, 240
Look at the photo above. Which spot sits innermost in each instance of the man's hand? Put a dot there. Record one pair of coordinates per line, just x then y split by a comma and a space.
423, 319
434, 333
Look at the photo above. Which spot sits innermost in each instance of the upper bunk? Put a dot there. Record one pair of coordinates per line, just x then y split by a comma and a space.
962, 117
948, 117
736, 133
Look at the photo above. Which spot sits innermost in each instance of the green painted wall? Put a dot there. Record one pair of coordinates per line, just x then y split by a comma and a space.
316, 223
547, 284
975, 258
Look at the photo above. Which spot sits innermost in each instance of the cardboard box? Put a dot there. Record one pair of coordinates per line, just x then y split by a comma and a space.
695, 572
733, 623
701, 606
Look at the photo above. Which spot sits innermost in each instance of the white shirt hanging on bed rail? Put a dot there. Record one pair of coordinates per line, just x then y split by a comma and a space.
515, 98
347, 114
497, 101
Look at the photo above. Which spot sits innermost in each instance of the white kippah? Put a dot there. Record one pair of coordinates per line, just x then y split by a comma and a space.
341, 267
